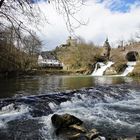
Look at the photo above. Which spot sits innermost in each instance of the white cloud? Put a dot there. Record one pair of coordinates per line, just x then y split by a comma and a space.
102, 23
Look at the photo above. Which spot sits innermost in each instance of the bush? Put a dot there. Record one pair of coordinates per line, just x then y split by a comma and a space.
82, 56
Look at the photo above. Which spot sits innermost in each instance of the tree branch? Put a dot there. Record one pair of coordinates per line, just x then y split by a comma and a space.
1, 2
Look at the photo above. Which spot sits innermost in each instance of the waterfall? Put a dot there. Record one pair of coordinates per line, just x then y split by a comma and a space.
130, 67
100, 71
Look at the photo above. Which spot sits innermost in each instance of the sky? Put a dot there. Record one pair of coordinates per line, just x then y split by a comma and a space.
116, 19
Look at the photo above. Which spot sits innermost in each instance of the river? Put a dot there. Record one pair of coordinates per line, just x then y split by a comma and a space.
109, 104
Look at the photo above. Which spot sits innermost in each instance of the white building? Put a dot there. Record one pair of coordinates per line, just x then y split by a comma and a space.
46, 59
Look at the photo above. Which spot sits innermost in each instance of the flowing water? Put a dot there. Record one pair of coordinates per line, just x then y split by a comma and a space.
102, 68
109, 104
129, 68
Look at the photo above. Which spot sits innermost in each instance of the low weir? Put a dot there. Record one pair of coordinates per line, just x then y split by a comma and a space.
102, 68
129, 68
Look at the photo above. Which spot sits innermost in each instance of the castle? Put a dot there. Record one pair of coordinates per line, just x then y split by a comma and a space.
71, 42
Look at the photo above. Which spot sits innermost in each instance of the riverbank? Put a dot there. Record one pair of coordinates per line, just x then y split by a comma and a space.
35, 72
46, 71
52, 71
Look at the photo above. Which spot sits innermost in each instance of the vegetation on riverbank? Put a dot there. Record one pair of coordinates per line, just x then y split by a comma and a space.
79, 58
118, 59
37, 72
18, 54
84, 56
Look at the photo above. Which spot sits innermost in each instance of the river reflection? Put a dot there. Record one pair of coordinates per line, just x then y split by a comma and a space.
49, 84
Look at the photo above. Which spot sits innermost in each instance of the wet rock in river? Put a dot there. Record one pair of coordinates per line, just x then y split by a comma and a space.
72, 128
64, 120
92, 134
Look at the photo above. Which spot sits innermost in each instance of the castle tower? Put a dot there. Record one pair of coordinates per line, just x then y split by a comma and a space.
106, 49
71, 42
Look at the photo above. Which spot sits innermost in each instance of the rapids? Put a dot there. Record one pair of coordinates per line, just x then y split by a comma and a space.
114, 110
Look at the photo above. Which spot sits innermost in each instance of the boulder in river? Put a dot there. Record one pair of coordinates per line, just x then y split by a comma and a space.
65, 120
72, 128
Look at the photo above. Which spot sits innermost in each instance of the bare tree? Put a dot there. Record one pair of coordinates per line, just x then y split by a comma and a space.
32, 44
16, 12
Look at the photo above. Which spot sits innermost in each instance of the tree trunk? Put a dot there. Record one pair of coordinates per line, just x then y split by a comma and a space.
1, 2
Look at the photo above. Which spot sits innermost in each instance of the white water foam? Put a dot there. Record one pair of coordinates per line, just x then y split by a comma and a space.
100, 71
48, 129
129, 69
111, 114
8, 113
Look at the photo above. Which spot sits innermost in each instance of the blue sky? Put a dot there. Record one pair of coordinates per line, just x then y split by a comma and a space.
113, 5
116, 19
119, 5
35, 1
